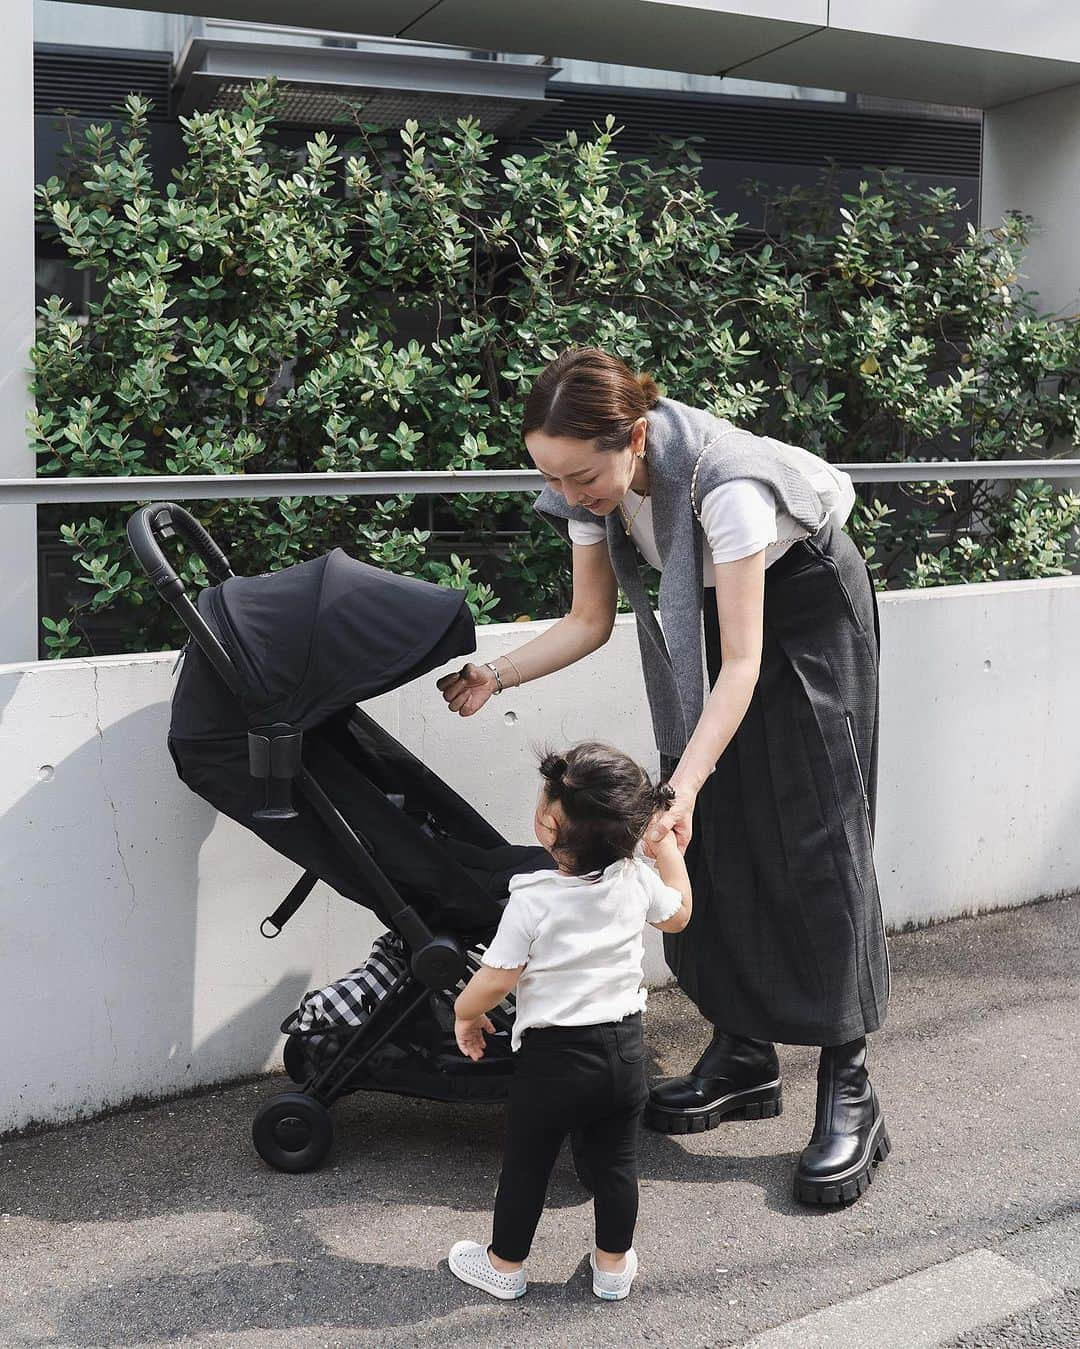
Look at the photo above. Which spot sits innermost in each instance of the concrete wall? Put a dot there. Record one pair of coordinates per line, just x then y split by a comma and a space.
1041, 28
100, 26
129, 949
18, 524
1031, 149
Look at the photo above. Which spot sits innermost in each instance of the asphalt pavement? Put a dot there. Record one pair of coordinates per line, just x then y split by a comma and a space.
160, 1226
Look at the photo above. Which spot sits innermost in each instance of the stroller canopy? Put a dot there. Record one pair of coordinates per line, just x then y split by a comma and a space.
313, 638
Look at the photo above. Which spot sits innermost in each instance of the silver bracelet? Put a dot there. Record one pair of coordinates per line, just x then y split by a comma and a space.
513, 666
498, 676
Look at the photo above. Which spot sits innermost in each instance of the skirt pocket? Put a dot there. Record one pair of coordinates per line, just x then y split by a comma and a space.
830, 562
849, 721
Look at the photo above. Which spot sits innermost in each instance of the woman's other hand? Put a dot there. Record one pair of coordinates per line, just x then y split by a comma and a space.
468, 689
677, 819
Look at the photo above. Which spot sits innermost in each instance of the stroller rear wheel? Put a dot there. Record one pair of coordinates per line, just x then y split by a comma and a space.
292, 1132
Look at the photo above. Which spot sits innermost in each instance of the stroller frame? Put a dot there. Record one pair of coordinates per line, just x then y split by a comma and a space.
293, 1131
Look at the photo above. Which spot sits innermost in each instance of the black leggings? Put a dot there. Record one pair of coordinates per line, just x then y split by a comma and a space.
588, 1080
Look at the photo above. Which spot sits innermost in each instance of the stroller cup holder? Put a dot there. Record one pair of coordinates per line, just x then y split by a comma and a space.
274, 757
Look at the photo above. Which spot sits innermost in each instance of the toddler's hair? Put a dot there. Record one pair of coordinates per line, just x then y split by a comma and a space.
607, 801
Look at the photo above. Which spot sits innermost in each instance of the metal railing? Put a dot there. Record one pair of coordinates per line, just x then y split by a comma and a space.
260, 486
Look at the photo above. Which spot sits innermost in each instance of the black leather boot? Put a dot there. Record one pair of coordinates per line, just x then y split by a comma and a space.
849, 1137
736, 1078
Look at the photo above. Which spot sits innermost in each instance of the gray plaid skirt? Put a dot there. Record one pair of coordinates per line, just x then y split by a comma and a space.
787, 940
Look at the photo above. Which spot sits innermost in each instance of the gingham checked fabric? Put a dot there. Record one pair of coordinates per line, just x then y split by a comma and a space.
349, 1001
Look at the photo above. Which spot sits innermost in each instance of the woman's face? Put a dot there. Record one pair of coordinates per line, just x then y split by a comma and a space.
584, 475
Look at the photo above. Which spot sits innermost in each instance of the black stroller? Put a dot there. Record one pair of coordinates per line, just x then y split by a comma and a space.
265, 727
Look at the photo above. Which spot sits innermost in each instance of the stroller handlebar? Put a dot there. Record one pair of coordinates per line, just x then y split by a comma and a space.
161, 520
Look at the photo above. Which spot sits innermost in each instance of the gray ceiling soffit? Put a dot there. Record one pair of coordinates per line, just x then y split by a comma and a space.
929, 72
374, 18
702, 38
619, 32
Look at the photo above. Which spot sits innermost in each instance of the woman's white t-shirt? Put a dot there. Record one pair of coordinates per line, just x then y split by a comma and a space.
581, 942
738, 518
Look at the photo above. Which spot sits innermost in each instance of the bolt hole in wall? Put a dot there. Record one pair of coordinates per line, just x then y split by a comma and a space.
46, 772
988, 665
510, 718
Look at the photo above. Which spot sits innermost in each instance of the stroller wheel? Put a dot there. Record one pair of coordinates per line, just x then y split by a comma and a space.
295, 1060
292, 1132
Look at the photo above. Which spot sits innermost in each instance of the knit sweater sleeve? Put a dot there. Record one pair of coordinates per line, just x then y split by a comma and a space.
735, 453
558, 512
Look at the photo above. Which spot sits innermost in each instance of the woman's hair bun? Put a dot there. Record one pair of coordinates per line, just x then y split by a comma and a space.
588, 394
649, 388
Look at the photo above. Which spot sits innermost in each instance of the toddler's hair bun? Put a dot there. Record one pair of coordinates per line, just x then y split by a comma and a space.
553, 767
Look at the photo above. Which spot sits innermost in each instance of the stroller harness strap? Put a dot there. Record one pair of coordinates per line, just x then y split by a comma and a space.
289, 905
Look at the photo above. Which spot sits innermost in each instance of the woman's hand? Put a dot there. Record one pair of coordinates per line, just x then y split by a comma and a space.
677, 819
468, 690
470, 1036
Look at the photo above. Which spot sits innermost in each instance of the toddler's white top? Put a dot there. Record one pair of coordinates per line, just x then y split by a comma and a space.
581, 942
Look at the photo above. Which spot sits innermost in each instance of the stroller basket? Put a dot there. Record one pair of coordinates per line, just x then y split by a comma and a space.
350, 1000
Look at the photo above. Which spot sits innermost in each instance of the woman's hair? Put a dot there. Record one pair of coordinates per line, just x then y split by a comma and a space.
607, 801
585, 394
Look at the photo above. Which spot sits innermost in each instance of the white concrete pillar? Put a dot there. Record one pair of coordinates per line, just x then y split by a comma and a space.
1031, 163
18, 524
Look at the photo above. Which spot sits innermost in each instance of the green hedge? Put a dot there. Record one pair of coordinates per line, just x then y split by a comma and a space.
251, 320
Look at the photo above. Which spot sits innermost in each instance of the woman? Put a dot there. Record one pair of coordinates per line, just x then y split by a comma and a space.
774, 771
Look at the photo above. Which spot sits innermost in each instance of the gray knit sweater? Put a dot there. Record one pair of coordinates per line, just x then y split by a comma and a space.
678, 438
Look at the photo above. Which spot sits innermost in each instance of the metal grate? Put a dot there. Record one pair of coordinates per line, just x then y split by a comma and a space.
95, 83
327, 105
739, 129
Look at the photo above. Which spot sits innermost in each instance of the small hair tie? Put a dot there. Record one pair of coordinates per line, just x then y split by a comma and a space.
553, 766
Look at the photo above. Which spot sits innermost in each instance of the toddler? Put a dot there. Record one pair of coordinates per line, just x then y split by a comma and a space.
571, 942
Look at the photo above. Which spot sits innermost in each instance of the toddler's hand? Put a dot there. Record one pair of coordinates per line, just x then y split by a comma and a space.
677, 820
470, 1036
667, 844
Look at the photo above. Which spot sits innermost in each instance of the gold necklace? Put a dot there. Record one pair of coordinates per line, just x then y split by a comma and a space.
628, 521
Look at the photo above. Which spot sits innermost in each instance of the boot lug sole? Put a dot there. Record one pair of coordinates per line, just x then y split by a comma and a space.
851, 1184
753, 1103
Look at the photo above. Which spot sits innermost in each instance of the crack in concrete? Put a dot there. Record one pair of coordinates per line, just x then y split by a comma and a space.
110, 802
115, 815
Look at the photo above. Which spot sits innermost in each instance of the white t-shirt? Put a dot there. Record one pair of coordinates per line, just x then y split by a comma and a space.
738, 518
581, 942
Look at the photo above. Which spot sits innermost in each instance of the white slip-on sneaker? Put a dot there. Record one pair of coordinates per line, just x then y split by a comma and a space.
613, 1287
469, 1261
